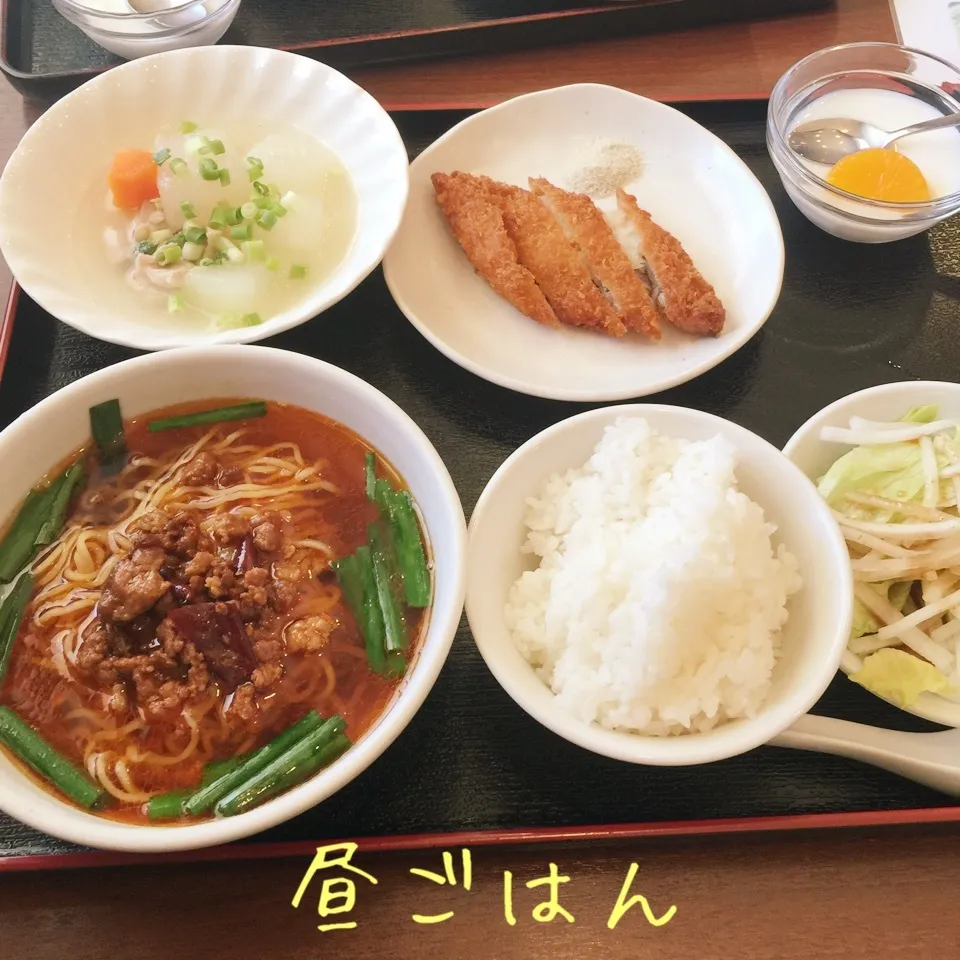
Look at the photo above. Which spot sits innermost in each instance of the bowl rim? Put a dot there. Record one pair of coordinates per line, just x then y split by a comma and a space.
89, 829
645, 749
134, 14
918, 211
322, 299
492, 375
100, 22
930, 706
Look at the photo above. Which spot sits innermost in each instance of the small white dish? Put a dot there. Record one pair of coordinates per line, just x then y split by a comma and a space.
59, 424
693, 184
813, 456
820, 613
125, 106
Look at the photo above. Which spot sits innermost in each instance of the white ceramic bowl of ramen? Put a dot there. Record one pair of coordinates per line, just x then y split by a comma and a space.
47, 434
325, 143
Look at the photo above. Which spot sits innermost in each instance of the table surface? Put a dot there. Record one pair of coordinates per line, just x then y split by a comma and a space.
790, 896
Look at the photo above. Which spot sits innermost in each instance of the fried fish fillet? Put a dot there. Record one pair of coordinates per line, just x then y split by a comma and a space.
471, 205
689, 302
556, 264
609, 266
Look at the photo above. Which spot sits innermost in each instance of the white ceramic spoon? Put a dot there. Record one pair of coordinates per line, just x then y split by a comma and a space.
929, 758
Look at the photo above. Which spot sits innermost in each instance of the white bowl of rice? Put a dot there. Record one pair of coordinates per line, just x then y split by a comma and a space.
657, 585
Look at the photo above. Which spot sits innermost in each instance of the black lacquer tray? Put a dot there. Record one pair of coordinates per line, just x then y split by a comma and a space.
42, 53
850, 316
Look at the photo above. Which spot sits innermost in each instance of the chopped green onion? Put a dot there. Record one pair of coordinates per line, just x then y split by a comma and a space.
251, 320
255, 170
206, 148
11, 616
412, 558
193, 251
206, 262
30, 747
216, 147
234, 216
18, 545
234, 255
284, 769
241, 411
161, 156
261, 189
160, 236
255, 250
147, 246
272, 263
195, 234
106, 427
187, 127
209, 795
175, 302
279, 209
267, 219
249, 210
218, 219
168, 806
289, 200
178, 166
209, 169
68, 482
241, 232
274, 192
224, 177
169, 255
179, 239
370, 617
195, 144
370, 473
186, 208
298, 271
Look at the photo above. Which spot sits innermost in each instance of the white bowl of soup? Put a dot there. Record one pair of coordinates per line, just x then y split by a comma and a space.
207, 195
231, 577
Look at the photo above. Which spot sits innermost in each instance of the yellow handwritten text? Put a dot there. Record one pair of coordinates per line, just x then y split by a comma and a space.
338, 895
623, 905
447, 877
548, 910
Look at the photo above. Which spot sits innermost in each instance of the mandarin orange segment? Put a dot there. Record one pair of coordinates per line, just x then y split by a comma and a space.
880, 174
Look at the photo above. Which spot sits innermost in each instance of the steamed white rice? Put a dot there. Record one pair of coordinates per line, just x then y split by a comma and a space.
659, 599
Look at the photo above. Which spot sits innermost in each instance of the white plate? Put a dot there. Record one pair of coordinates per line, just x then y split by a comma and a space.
69, 149
693, 185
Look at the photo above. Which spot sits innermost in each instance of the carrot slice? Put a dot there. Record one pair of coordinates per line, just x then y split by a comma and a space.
133, 179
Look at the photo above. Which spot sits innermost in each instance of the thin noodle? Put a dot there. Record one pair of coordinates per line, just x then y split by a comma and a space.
71, 573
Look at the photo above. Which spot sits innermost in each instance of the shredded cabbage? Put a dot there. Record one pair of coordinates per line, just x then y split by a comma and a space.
900, 677
893, 471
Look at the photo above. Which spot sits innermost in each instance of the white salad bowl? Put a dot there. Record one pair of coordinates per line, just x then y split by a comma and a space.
692, 183
820, 613
45, 435
66, 154
813, 456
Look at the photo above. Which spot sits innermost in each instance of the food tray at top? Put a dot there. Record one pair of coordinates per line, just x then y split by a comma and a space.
849, 317
44, 54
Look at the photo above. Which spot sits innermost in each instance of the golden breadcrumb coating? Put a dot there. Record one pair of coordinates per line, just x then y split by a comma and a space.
471, 206
606, 260
556, 264
690, 302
